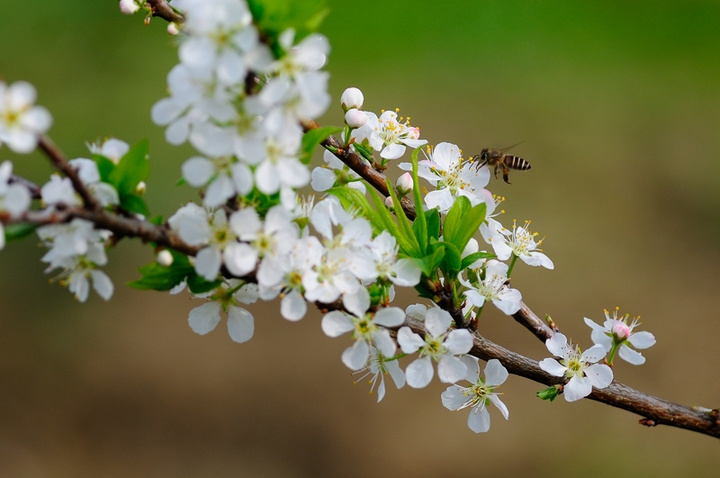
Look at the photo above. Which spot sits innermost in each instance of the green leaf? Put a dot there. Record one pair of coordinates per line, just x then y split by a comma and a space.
134, 203
275, 16
452, 260
420, 224
17, 231
429, 264
433, 223
313, 138
132, 168
385, 219
162, 278
105, 167
199, 285
353, 199
467, 260
462, 222
413, 249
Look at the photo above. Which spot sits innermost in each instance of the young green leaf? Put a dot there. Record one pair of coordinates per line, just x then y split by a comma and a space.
353, 199
132, 168
404, 224
19, 230
313, 138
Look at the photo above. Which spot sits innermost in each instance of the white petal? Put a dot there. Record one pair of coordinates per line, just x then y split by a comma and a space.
459, 341
600, 375
577, 388
219, 191
240, 258
500, 405
631, 356
409, 341
102, 284
207, 263
205, 318
358, 302
479, 420
453, 397
240, 324
336, 323
419, 373
642, 340
389, 317
451, 369
557, 345
495, 373
594, 354
355, 357
553, 367
384, 343
197, 171
437, 321
322, 179
405, 273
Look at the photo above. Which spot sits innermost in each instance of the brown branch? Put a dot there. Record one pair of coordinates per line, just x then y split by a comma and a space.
359, 165
58, 160
654, 410
161, 9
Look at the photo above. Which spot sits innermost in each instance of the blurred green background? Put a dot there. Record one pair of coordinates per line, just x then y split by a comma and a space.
618, 105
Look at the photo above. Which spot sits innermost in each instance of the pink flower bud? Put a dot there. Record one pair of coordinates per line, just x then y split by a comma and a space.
352, 98
404, 183
128, 7
173, 29
389, 202
621, 331
355, 118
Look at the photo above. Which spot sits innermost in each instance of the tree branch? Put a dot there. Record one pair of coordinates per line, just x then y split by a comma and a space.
161, 9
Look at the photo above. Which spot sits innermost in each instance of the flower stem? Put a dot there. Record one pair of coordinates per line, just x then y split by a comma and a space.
512, 264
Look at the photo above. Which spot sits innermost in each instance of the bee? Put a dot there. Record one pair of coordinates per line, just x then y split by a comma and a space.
498, 159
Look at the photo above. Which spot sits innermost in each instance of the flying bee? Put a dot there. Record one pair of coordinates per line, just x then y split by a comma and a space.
500, 160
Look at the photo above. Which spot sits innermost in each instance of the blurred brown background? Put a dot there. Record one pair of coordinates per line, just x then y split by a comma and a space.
619, 109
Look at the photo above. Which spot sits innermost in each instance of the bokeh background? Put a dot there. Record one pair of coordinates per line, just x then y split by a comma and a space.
618, 105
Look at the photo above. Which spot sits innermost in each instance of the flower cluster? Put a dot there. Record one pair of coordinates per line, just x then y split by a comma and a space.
21, 122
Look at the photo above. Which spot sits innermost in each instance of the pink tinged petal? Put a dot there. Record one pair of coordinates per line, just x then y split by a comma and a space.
355, 357
419, 373
642, 340
453, 398
240, 258
207, 263
409, 341
557, 345
553, 367
102, 284
437, 321
479, 420
451, 369
219, 191
240, 324
358, 302
205, 318
389, 317
459, 341
500, 405
384, 343
336, 323
631, 356
495, 373
577, 388
594, 354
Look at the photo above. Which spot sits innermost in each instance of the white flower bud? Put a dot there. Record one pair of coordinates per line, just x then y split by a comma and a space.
173, 29
164, 258
140, 188
355, 118
389, 202
128, 7
404, 183
352, 98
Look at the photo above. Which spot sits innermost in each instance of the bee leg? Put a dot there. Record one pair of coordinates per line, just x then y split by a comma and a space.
506, 172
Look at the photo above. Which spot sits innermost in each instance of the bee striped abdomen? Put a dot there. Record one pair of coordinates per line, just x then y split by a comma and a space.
516, 162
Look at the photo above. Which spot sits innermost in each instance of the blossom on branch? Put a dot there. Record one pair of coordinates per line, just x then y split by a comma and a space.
21, 122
